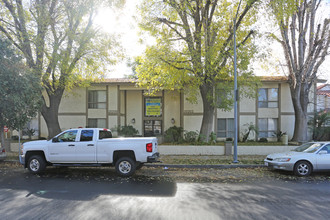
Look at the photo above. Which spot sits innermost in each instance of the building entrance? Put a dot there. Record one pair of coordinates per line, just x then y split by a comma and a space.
152, 128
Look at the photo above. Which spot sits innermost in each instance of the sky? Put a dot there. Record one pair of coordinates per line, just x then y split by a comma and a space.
122, 22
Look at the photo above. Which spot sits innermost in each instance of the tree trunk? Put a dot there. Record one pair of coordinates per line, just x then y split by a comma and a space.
50, 113
300, 102
300, 127
208, 110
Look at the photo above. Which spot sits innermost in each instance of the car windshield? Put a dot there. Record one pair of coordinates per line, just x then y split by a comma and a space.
308, 147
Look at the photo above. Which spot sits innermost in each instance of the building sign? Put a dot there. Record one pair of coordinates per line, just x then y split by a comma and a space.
153, 107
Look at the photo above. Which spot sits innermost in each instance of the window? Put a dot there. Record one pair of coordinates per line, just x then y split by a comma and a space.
267, 127
105, 134
326, 148
86, 135
225, 128
97, 123
225, 99
152, 128
69, 136
97, 99
268, 98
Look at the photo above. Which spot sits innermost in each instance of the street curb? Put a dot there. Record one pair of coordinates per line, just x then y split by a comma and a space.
220, 166
189, 166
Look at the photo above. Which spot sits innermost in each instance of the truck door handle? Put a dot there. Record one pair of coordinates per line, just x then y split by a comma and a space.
71, 145
90, 145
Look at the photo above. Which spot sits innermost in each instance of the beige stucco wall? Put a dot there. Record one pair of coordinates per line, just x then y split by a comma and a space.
134, 104
287, 125
225, 114
247, 105
112, 122
113, 97
74, 101
195, 108
268, 113
122, 104
286, 102
67, 122
171, 109
97, 113
192, 122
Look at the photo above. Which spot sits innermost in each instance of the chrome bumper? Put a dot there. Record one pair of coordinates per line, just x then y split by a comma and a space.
153, 158
279, 165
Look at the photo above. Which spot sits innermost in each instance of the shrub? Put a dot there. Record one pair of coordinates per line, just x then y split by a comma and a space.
263, 139
126, 131
250, 129
229, 139
320, 132
213, 138
191, 136
278, 135
201, 138
174, 134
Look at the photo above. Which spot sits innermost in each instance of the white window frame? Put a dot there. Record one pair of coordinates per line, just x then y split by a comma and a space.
269, 101
270, 132
228, 133
97, 104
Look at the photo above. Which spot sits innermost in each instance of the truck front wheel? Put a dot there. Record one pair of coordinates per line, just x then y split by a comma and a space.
36, 164
125, 166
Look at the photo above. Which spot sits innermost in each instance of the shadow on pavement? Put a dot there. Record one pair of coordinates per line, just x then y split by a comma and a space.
87, 184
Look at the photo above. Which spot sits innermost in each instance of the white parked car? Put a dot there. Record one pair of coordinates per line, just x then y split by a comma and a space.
303, 160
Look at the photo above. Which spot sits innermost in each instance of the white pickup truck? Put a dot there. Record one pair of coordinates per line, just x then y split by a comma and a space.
89, 147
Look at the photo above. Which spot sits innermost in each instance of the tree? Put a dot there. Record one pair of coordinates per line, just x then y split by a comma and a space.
318, 126
194, 50
19, 90
60, 44
305, 44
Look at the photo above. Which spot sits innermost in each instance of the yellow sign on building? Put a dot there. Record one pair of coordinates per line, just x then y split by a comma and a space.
153, 107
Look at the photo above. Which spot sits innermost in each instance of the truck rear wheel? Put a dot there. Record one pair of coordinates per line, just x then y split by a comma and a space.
36, 164
125, 166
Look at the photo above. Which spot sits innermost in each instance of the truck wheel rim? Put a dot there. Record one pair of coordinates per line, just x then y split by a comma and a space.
34, 165
125, 167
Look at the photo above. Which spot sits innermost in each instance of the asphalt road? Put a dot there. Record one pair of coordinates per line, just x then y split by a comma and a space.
82, 193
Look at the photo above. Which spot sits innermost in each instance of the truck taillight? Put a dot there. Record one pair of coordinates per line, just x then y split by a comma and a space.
3, 150
149, 147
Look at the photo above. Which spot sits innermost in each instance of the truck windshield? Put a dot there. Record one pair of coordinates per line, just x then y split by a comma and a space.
105, 134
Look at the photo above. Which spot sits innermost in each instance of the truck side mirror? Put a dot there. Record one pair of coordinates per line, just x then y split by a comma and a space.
55, 139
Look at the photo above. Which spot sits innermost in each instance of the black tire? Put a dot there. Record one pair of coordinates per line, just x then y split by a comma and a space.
139, 166
303, 168
36, 164
125, 166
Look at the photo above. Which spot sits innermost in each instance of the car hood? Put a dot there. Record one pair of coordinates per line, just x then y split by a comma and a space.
285, 154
